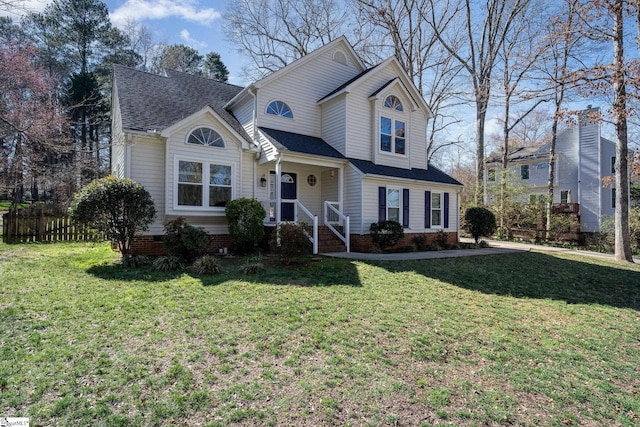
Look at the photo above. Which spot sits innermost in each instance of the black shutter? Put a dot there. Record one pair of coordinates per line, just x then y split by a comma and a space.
405, 207
446, 210
427, 209
382, 203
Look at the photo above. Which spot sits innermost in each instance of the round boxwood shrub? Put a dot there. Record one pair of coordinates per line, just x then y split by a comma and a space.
480, 222
183, 240
245, 217
385, 234
117, 207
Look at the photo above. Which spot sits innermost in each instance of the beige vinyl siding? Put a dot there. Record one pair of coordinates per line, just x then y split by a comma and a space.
177, 148
416, 203
118, 152
300, 89
147, 168
249, 181
353, 199
363, 123
333, 123
244, 113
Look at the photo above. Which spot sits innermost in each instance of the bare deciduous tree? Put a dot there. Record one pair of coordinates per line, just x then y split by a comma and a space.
273, 33
485, 26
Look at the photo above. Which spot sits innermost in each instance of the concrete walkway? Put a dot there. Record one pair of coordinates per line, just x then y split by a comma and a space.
497, 247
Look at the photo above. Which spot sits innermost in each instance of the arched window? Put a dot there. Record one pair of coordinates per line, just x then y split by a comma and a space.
205, 136
393, 102
279, 108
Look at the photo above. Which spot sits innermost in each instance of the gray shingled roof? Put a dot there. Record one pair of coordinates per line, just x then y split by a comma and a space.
523, 153
289, 141
154, 102
432, 174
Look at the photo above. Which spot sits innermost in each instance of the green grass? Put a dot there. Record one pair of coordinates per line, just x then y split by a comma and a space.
522, 339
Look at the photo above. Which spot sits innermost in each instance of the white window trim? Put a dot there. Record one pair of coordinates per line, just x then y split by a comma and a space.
186, 139
205, 179
441, 194
400, 203
394, 116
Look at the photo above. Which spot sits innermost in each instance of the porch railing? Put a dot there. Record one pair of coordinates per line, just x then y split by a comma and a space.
299, 207
333, 216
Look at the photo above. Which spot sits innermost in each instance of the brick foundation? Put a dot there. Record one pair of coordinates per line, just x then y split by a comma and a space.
362, 242
152, 245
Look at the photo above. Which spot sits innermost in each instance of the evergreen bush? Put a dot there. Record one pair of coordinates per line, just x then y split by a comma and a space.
183, 240
480, 222
385, 234
246, 223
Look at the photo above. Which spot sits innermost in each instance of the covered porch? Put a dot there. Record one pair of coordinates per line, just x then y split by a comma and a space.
306, 191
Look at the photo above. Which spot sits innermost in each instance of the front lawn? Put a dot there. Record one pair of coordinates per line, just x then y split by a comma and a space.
522, 339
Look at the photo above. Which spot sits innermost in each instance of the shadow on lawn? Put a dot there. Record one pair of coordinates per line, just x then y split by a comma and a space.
533, 275
306, 274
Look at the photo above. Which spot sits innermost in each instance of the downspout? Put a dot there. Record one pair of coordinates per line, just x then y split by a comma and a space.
254, 137
278, 189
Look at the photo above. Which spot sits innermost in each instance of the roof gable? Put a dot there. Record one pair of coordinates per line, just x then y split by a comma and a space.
402, 78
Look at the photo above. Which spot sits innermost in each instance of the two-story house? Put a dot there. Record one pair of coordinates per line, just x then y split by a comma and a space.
324, 141
583, 161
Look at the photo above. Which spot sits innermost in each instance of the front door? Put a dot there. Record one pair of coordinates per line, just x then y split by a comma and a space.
288, 191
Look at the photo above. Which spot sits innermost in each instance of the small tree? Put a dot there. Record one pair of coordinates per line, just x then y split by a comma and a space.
386, 233
246, 227
480, 222
115, 206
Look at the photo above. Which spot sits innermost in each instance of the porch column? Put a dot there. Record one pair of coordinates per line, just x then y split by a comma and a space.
340, 187
278, 189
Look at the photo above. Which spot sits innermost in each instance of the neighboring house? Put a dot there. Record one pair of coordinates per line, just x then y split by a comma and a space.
323, 138
583, 160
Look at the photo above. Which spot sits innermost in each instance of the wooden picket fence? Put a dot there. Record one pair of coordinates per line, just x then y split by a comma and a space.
38, 226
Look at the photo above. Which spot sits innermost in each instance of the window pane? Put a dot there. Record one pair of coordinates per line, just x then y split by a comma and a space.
524, 172
393, 214
435, 200
400, 145
564, 196
393, 198
399, 129
206, 136
491, 174
385, 125
279, 108
219, 196
435, 217
385, 143
189, 172
220, 175
189, 195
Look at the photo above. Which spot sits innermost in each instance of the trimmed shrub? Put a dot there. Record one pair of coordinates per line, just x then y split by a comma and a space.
246, 227
117, 207
294, 242
206, 264
183, 240
480, 222
420, 241
385, 234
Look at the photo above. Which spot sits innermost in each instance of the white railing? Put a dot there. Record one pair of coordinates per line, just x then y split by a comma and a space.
333, 216
299, 207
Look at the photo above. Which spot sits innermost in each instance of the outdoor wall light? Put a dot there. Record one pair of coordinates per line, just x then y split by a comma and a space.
263, 181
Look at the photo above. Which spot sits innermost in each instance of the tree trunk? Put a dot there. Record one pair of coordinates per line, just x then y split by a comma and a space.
480, 123
622, 238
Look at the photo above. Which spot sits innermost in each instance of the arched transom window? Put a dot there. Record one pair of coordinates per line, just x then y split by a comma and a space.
279, 108
393, 102
205, 136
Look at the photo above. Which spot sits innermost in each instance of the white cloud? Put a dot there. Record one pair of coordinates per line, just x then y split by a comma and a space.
196, 44
159, 9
